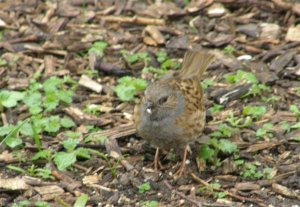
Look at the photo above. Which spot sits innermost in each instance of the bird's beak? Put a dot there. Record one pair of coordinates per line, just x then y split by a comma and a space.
149, 107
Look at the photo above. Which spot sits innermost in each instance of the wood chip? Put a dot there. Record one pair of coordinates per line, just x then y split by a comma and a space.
156, 35
261, 146
247, 186
51, 189
216, 10
269, 31
293, 34
282, 190
87, 82
13, 184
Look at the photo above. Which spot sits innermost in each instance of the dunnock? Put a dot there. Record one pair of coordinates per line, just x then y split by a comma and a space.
171, 113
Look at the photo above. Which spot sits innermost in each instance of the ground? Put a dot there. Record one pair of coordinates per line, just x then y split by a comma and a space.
72, 71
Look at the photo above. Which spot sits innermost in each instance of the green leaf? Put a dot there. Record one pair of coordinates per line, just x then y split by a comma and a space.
66, 122
70, 144
81, 201
51, 101
144, 187
17, 169
206, 152
45, 154
10, 99
52, 84
216, 108
12, 139
127, 87
161, 56
4, 130
41, 204
98, 48
158, 71
255, 111
34, 102
206, 83
226, 146
64, 160
295, 109
296, 126
26, 130
65, 96
150, 204
53, 124
83, 153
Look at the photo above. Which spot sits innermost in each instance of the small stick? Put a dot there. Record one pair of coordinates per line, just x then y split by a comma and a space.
197, 203
135, 19
240, 198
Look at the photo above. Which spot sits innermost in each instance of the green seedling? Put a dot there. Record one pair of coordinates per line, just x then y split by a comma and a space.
265, 131
295, 110
34, 171
133, 58
206, 83
228, 50
223, 131
213, 189
81, 201
128, 86
144, 187
285, 126
216, 108
209, 152
254, 111
9, 99
98, 48
239, 122
150, 204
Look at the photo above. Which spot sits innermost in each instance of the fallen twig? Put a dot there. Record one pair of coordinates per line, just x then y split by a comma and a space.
237, 197
135, 20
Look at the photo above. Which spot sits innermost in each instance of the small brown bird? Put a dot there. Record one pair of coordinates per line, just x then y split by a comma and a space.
172, 113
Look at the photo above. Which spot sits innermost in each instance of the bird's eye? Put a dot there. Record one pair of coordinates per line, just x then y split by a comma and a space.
163, 100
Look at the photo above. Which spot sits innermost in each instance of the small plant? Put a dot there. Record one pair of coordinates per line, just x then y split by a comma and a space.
127, 87
98, 48
144, 187
81, 201
295, 110
250, 171
216, 108
265, 131
271, 99
285, 126
9, 99
133, 58
223, 131
254, 111
212, 189
63, 160
27, 203
150, 204
206, 83
158, 71
239, 122
209, 152
34, 171
229, 49
242, 76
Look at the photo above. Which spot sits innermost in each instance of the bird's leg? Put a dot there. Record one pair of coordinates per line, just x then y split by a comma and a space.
181, 169
157, 163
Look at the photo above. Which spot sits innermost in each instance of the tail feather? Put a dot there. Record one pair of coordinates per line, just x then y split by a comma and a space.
194, 64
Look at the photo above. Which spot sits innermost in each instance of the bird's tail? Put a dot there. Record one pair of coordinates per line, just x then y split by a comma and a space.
194, 64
